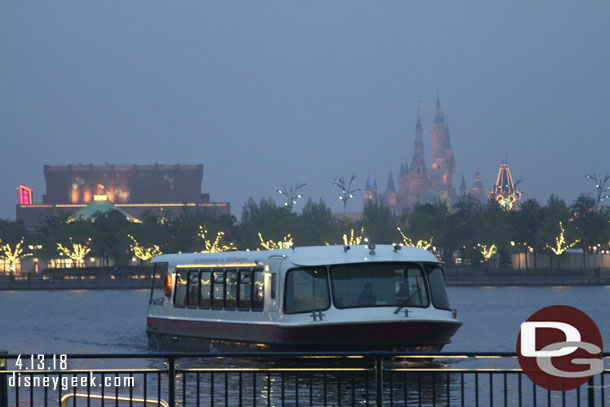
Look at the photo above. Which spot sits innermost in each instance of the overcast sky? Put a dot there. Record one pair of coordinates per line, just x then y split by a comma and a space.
268, 93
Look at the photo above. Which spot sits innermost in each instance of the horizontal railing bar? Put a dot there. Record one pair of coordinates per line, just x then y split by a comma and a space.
264, 354
42, 371
276, 369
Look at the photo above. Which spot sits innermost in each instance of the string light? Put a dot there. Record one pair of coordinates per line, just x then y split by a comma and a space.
560, 242
285, 243
487, 252
142, 252
217, 245
78, 252
421, 244
13, 255
353, 240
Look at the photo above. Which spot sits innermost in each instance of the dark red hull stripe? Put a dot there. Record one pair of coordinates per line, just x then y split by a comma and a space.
387, 334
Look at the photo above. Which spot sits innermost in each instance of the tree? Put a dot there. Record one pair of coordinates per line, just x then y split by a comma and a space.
591, 224
527, 222
267, 218
427, 222
109, 236
461, 229
13, 242
380, 223
555, 216
495, 229
185, 229
316, 225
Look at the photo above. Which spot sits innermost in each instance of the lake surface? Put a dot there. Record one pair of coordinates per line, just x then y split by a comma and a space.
113, 321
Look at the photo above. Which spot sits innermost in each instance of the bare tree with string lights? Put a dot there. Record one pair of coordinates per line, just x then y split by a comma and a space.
601, 190
291, 194
347, 192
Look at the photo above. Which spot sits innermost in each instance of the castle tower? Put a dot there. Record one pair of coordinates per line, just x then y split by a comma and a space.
367, 194
504, 192
463, 187
417, 177
390, 195
443, 161
478, 190
403, 184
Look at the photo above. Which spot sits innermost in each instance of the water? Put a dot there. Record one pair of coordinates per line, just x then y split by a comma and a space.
113, 321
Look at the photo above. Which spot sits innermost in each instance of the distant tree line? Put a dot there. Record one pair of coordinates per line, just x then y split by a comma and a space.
477, 232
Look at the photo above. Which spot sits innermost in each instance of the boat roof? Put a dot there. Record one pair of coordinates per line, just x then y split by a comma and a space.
301, 256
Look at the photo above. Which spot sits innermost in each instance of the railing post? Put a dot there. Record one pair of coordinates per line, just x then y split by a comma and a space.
171, 380
3, 381
591, 392
379, 380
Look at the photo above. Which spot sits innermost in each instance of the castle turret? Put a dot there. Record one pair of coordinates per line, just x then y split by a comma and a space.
478, 190
368, 194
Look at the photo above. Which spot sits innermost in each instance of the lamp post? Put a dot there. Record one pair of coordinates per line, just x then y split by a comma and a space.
347, 192
600, 187
291, 194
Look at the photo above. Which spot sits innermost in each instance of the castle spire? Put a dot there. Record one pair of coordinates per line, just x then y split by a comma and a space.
463, 186
418, 162
390, 193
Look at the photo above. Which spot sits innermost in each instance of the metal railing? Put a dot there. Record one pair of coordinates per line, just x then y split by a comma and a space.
287, 379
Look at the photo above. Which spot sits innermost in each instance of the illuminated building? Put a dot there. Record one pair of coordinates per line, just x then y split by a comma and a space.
505, 192
132, 188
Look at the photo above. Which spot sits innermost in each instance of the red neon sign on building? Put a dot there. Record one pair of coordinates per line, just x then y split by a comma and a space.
24, 195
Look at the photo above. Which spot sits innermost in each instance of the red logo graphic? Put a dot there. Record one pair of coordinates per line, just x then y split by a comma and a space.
560, 348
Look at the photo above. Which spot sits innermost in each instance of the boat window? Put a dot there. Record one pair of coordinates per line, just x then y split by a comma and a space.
306, 290
258, 290
180, 290
205, 285
159, 272
273, 285
218, 290
245, 290
378, 285
193, 289
231, 290
436, 278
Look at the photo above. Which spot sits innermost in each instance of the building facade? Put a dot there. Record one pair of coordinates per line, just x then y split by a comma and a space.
132, 188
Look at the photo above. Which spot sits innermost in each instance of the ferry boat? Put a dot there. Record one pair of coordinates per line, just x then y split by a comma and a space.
365, 297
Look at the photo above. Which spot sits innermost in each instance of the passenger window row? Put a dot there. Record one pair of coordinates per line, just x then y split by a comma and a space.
228, 289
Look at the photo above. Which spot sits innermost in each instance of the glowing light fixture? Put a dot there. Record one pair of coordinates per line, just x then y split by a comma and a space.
560, 242
217, 245
421, 244
285, 243
144, 252
13, 254
78, 252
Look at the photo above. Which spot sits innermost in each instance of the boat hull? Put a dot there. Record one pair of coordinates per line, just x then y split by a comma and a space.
199, 335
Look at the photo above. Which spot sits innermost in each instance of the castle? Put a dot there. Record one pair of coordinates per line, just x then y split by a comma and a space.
417, 183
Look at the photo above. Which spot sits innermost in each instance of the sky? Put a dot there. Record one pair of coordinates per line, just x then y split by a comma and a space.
266, 94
